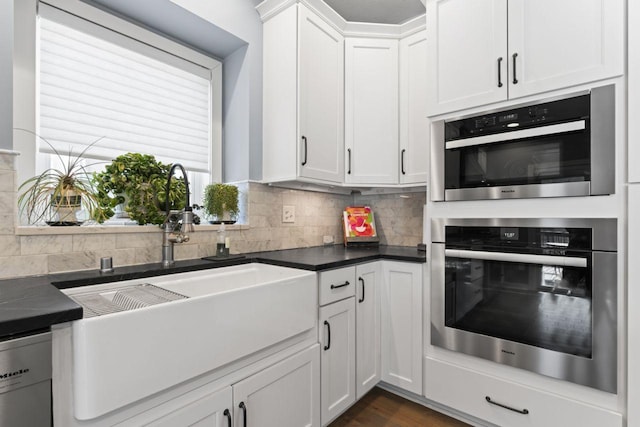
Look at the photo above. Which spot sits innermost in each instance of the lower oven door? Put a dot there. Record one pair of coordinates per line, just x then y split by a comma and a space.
554, 315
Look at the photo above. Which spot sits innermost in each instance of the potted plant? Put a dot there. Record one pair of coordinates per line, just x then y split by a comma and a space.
221, 202
138, 181
55, 195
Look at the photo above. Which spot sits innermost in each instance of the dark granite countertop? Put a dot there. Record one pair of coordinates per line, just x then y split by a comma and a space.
35, 303
327, 257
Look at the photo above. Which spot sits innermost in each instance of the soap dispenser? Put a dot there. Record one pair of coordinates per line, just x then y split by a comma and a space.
221, 246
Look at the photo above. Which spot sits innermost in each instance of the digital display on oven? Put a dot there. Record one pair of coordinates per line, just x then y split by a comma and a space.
508, 117
510, 233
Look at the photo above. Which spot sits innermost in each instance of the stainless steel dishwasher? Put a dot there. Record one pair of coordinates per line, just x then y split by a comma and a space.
25, 381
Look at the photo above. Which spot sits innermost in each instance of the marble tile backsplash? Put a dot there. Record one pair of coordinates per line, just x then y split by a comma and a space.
399, 221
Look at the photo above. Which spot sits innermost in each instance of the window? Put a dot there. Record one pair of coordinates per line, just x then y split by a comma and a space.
129, 89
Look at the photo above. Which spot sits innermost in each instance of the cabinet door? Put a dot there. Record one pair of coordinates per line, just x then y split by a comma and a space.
414, 125
367, 327
196, 408
633, 93
563, 43
321, 99
337, 361
283, 395
466, 53
371, 111
401, 314
633, 255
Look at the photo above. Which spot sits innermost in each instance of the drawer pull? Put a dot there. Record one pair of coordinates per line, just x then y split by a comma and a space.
340, 286
520, 411
227, 414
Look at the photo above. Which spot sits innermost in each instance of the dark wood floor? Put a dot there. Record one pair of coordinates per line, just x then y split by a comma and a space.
379, 408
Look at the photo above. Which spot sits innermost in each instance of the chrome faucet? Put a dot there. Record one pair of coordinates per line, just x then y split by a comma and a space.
177, 223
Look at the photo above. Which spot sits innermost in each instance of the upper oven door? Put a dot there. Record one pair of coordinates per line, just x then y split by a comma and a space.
518, 163
558, 148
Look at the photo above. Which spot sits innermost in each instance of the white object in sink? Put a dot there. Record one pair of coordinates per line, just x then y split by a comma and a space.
231, 313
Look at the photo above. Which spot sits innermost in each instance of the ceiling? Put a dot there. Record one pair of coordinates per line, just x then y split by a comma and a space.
378, 11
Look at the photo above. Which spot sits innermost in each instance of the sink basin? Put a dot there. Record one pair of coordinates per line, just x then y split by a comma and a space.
229, 313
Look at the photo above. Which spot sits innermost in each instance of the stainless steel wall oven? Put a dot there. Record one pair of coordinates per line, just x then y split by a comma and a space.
537, 294
559, 147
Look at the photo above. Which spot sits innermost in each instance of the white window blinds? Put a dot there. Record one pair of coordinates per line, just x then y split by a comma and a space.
91, 88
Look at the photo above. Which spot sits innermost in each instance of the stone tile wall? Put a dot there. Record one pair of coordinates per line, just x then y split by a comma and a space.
46, 250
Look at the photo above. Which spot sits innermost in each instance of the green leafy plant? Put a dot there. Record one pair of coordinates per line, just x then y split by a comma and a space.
219, 198
139, 182
58, 192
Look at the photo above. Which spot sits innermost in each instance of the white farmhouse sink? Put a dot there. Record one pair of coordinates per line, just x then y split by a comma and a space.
230, 313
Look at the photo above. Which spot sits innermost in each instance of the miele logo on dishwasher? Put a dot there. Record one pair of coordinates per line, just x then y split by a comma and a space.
13, 374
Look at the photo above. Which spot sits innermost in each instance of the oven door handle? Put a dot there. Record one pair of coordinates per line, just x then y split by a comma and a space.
565, 261
517, 134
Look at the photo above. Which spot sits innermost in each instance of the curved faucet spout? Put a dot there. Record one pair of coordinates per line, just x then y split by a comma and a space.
174, 232
168, 187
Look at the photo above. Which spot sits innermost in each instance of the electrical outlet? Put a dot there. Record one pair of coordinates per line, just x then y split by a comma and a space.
288, 213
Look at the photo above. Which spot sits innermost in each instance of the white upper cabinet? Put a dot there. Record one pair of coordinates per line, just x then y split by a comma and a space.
321, 99
344, 104
371, 111
414, 125
466, 53
491, 50
563, 43
303, 117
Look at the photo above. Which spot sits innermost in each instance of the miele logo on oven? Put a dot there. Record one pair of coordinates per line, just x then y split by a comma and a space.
13, 374
508, 191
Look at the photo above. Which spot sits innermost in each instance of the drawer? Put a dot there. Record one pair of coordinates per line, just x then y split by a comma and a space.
467, 391
337, 284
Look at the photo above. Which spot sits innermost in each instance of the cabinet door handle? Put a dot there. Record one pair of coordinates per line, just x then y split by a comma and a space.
500, 72
304, 139
402, 161
227, 414
519, 411
361, 300
349, 161
515, 80
244, 413
328, 346
342, 285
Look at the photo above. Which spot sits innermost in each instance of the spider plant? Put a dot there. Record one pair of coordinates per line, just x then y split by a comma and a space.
58, 192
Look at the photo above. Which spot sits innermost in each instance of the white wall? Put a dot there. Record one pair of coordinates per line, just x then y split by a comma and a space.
243, 97
6, 74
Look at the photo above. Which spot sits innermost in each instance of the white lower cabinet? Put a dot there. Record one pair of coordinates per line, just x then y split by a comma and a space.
372, 336
368, 277
505, 403
337, 328
283, 395
211, 410
401, 332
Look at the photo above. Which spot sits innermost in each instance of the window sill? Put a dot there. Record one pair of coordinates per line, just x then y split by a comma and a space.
36, 230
